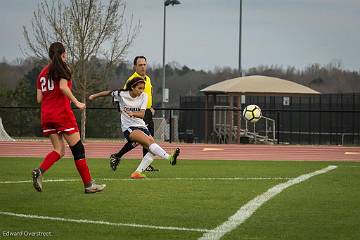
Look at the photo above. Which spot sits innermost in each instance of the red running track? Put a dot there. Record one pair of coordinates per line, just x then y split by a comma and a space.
102, 149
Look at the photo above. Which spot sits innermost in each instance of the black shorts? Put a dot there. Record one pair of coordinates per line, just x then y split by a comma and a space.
130, 129
148, 119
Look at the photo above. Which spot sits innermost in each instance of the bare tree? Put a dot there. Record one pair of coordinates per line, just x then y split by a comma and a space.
88, 28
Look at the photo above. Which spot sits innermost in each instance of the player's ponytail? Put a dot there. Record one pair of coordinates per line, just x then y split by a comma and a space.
58, 69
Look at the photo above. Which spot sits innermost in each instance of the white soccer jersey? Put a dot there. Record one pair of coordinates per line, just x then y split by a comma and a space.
125, 101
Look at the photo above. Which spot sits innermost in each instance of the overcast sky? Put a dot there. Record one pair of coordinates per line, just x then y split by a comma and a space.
204, 34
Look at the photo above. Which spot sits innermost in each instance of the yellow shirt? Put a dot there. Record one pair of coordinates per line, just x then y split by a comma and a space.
148, 87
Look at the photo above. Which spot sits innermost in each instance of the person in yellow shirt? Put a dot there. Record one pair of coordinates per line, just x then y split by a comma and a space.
140, 66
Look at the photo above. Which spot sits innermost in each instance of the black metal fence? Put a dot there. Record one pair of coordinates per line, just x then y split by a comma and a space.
320, 119
324, 119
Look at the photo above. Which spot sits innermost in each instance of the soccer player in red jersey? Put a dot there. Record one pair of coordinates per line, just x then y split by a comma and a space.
57, 118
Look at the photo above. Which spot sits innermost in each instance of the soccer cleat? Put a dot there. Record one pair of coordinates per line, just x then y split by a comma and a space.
174, 156
37, 179
95, 187
137, 175
152, 169
114, 161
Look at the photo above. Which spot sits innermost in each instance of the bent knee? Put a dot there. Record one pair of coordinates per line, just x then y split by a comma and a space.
78, 151
151, 140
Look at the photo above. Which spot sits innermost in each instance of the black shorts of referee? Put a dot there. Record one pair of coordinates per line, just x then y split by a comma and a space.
148, 119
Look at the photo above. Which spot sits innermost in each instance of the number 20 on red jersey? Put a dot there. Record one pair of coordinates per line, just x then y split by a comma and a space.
46, 84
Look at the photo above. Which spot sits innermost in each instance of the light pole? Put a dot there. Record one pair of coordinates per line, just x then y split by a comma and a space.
240, 23
164, 92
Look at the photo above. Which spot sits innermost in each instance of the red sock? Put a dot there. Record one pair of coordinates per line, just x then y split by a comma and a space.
49, 160
83, 170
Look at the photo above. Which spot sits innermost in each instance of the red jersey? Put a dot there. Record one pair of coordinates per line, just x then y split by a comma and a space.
55, 106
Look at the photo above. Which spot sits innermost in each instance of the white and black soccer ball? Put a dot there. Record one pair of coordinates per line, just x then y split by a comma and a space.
252, 113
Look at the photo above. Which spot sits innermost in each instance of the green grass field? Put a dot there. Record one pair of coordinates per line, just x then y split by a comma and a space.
191, 195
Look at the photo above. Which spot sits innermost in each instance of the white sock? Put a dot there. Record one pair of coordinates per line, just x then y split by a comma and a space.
145, 162
158, 151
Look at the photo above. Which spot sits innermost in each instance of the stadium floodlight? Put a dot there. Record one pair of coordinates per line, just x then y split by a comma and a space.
172, 2
166, 3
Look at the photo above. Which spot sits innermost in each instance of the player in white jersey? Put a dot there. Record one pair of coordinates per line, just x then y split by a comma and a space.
131, 102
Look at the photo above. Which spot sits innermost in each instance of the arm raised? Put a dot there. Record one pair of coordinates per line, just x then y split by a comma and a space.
99, 94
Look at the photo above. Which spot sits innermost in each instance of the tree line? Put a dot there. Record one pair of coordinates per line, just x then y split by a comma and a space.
18, 80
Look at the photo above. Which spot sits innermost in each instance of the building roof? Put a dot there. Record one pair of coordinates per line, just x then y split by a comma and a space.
259, 85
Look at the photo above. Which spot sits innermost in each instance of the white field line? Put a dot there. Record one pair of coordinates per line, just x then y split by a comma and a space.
249, 208
103, 222
352, 153
156, 179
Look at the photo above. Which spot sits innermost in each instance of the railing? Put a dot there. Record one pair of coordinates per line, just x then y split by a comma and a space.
197, 125
255, 133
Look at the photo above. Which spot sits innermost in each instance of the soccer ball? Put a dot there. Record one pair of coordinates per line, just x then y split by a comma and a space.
252, 113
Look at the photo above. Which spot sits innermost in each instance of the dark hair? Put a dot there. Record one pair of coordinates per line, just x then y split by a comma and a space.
58, 68
138, 57
133, 82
